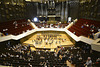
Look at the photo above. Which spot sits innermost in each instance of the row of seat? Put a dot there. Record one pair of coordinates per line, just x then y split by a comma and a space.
15, 27
86, 30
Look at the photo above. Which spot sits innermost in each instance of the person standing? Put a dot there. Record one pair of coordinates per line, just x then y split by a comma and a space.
88, 62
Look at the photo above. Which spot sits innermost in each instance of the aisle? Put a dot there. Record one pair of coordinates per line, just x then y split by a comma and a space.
69, 64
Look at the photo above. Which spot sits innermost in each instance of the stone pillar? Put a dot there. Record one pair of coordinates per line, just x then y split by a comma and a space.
66, 11
37, 9
62, 12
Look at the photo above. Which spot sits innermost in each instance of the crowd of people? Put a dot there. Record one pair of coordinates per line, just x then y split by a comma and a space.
22, 56
45, 25
80, 56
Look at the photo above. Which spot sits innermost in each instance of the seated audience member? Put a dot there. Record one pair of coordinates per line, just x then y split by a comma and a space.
98, 29
82, 26
1, 34
92, 30
55, 54
6, 33
88, 62
91, 36
80, 58
97, 63
41, 63
98, 60
87, 25
74, 32
64, 58
92, 26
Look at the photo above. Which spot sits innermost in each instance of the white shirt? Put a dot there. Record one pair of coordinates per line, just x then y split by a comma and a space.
89, 63
99, 30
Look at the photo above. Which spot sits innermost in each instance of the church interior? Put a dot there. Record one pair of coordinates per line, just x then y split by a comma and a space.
49, 33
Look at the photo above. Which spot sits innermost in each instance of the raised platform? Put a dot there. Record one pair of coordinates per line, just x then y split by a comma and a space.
48, 40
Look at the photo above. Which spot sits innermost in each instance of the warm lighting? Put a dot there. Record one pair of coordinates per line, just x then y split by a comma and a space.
45, 2
29, 20
28, 0
57, 0
53, 2
40, 16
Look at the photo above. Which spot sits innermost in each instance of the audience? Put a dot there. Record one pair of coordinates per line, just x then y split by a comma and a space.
79, 56
45, 25
20, 55
82, 26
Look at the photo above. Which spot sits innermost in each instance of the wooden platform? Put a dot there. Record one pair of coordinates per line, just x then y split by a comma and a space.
48, 40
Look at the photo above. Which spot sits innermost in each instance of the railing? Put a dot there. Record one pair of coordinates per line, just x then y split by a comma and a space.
93, 43
96, 45
33, 25
9, 37
96, 35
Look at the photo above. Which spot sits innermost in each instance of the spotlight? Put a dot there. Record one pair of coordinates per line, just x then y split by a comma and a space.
35, 19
